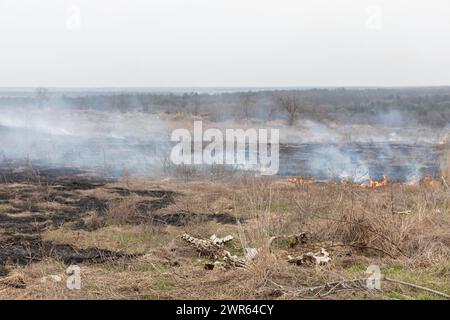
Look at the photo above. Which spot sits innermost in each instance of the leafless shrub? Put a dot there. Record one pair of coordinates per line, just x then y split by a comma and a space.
265, 208
289, 104
119, 212
94, 221
42, 96
444, 162
376, 221
247, 101
126, 176
185, 172
218, 171
389, 222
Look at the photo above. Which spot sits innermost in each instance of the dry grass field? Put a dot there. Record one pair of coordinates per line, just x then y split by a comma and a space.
274, 151
126, 238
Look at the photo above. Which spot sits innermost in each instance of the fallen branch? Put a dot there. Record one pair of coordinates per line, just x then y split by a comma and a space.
442, 294
360, 246
406, 212
14, 281
445, 183
295, 239
330, 288
360, 283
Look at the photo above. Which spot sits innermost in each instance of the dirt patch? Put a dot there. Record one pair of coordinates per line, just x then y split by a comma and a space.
34, 217
28, 208
79, 185
20, 206
29, 224
145, 193
148, 212
39, 200
91, 203
23, 250
4, 196
184, 218
65, 178
149, 206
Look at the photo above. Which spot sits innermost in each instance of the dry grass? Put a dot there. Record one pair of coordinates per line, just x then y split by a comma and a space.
119, 212
444, 162
403, 229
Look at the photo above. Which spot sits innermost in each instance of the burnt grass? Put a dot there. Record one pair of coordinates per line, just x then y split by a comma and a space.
183, 218
22, 250
24, 215
24, 220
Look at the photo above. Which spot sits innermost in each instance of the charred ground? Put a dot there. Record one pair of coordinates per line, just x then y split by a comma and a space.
34, 200
125, 235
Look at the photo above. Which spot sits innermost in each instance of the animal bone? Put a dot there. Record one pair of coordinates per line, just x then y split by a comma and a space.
220, 241
320, 258
250, 253
214, 248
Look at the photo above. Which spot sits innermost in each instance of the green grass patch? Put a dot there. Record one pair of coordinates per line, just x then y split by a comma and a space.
421, 278
280, 206
357, 268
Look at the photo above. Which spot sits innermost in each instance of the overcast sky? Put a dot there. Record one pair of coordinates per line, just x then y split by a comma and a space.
94, 43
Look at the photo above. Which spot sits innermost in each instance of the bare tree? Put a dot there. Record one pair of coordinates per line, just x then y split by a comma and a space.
291, 105
146, 102
193, 106
41, 95
120, 102
247, 102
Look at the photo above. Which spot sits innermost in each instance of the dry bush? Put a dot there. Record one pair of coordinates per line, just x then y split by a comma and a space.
185, 172
276, 209
378, 221
218, 172
94, 220
255, 200
119, 212
371, 230
255, 282
429, 249
444, 162
396, 221
258, 194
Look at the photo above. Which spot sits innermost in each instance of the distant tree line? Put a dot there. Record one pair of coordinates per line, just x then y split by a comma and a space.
427, 106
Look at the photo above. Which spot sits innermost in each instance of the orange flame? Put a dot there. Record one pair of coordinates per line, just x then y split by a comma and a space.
301, 181
378, 184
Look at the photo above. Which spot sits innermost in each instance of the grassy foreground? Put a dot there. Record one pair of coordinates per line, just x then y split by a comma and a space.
125, 236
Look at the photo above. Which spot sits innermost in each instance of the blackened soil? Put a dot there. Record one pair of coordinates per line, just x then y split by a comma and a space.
23, 250
149, 206
64, 178
184, 218
33, 200
145, 193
